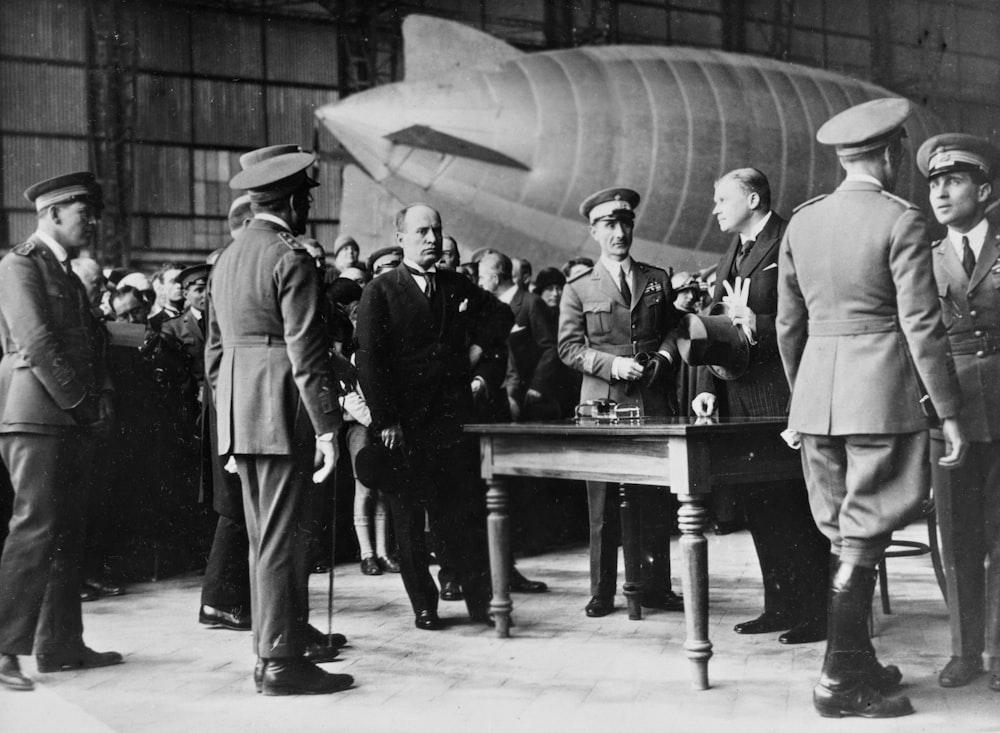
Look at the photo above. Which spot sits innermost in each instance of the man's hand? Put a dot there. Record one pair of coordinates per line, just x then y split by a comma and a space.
326, 459
392, 437
532, 396
704, 404
626, 368
954, 443
475, 355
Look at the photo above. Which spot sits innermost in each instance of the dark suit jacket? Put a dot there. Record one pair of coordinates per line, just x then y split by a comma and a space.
54, 348
413, 353
534, 357
858, 316
762, 391
267, 351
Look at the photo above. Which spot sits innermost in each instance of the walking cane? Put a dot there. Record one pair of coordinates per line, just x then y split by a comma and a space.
333, 556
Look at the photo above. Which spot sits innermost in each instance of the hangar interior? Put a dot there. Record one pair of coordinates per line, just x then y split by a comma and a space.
160, 97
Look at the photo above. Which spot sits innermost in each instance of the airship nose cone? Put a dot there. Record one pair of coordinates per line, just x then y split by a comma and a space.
361, 123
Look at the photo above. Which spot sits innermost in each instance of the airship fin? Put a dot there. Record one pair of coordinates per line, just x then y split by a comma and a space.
427, 138
435, 47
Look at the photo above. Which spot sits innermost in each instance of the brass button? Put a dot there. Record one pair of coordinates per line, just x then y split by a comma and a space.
980, 354
973, 313
979, 333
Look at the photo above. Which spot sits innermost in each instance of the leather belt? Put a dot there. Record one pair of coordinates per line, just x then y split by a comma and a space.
264, 339
632, 349
967, 343
854, 326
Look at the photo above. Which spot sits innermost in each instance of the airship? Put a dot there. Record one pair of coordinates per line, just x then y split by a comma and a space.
506, 144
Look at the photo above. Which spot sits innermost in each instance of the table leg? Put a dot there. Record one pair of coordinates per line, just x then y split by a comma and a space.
629, 514
498, 529
692, 517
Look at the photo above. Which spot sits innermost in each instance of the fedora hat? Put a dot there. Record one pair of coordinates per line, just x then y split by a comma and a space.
377, 467
713, 341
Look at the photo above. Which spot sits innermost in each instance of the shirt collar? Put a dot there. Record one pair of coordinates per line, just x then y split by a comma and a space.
508, 295
976, 235
613, 266
57, 249
264, 216
414, 266
758, 228
196, 313
864, 178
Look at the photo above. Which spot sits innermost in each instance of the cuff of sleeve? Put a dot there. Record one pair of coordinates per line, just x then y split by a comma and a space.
325, 438
666, 355
615, 373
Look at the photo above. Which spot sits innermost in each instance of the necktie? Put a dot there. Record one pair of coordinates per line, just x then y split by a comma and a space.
428, 278
968, 258
744, 251
623, 286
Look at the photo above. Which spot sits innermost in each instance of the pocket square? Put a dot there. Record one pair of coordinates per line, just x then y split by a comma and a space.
772, 266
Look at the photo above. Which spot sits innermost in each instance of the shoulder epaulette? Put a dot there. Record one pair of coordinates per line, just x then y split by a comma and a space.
290, 241
577, 277
813, 200
645, 266
25, 248
900, 200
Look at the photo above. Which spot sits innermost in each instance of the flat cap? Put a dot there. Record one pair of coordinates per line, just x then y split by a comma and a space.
190, 275
273, 171
373, 259
615, 203
956, 151
78, 186
866, 126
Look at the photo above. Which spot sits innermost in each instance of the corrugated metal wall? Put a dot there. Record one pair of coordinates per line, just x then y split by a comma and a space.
208, 85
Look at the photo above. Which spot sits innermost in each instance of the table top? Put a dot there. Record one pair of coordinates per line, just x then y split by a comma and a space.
648, 427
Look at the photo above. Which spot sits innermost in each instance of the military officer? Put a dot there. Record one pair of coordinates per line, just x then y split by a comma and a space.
275, 388
54, 399
189, 328
860, 336
960, 170
610, 314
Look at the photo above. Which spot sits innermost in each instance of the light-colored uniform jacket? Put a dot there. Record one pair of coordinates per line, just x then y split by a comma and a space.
856, 298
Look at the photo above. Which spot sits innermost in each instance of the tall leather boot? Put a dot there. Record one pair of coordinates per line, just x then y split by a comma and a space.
882, 678
845, 686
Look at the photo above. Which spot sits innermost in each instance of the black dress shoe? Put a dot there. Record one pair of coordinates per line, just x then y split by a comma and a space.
520, 584
766, 623
219, 618
315, 636
84, 658
87, 594
960, 671
320, 653
665, 601
10, 674
859, 699
388, 564
805, 633
994, 683
105, 587
296, 676
451, 591
428, 621
369, 566
598, 607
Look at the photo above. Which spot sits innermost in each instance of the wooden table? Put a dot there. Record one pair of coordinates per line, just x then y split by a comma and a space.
688, 455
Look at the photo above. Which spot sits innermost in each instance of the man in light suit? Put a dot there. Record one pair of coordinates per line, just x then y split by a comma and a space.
960, 170
860, 335
421, 331
55, 397
267, 359
609, 315
792, 552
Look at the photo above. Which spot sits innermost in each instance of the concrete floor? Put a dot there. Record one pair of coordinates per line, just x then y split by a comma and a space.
559, 672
